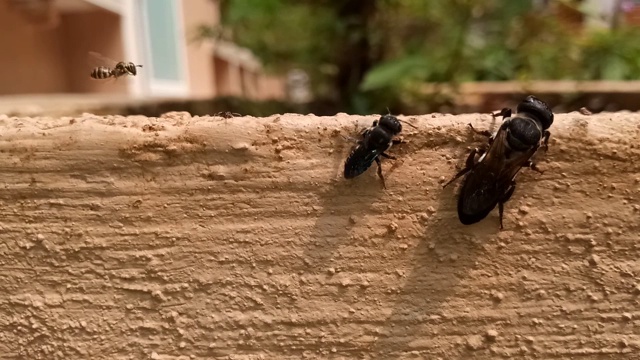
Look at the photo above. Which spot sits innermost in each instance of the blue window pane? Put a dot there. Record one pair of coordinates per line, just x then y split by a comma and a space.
162, 30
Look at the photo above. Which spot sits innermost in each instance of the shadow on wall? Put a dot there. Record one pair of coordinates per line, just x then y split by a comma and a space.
444, 259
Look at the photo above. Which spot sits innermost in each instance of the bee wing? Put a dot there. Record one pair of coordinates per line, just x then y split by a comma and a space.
96, 59
490, 179
479, 195
359, 161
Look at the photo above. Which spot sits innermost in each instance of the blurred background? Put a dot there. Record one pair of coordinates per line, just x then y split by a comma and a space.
260, 57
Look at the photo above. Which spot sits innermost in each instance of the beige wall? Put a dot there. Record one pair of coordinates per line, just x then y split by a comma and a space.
293, 262
272, 87
200, 59
55, 60
221, 76
31, 58
97, 31
211, 76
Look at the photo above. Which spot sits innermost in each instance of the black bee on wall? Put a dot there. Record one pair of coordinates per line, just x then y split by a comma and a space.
374, 142
490, 179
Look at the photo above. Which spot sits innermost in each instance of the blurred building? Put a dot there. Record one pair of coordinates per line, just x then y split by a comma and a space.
605, 14
631, 11
46, 44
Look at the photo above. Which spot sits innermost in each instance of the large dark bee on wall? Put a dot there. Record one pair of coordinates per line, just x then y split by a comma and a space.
490, 179
374, 142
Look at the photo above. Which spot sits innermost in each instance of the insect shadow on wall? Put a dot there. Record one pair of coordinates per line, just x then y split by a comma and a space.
373, 144
490, 180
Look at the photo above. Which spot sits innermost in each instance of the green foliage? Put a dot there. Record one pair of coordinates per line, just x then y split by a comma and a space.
395, 72
282, 33
612, 55
413, 42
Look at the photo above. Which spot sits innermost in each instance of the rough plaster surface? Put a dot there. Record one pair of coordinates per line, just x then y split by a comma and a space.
205, 238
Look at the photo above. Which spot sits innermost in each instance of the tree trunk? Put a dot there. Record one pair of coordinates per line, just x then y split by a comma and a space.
354, 57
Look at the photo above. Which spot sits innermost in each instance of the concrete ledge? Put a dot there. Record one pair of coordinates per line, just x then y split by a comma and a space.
196, 237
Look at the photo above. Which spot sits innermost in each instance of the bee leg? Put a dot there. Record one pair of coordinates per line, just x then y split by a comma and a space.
505, 113
349, 138
503, 200
486, 133
531, 165
398, 141
388, 156
380, 173
375, 123
545, 141
468, 165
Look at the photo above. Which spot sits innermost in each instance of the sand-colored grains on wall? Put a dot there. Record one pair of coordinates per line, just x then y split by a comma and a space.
210, 238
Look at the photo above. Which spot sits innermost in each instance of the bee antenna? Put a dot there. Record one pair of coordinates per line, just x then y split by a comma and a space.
405, 122
402, 121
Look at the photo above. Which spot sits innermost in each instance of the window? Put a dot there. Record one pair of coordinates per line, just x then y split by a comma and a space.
165, 46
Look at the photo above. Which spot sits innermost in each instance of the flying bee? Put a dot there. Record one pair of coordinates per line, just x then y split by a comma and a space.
373, 143
111, 68
491, 178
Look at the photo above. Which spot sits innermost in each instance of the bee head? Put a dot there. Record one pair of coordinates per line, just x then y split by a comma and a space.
131, 68
390, 123
538, 109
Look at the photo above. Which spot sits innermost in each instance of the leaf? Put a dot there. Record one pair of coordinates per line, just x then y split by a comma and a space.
393, 72
615, 69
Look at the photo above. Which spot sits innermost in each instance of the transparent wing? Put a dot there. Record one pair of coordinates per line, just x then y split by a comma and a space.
96, 59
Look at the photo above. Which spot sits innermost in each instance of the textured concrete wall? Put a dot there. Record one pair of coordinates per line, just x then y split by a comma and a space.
204, 238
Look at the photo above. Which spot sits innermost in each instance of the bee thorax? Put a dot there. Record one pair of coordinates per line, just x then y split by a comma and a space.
523, 133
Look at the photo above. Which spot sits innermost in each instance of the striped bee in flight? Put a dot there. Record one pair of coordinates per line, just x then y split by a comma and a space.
111, 68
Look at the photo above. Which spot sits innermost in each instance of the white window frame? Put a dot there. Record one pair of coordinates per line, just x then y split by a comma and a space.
116, 6
159, 87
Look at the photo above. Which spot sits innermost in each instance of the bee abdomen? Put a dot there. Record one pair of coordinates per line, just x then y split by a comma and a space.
358, 162
100, 73
354, 168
